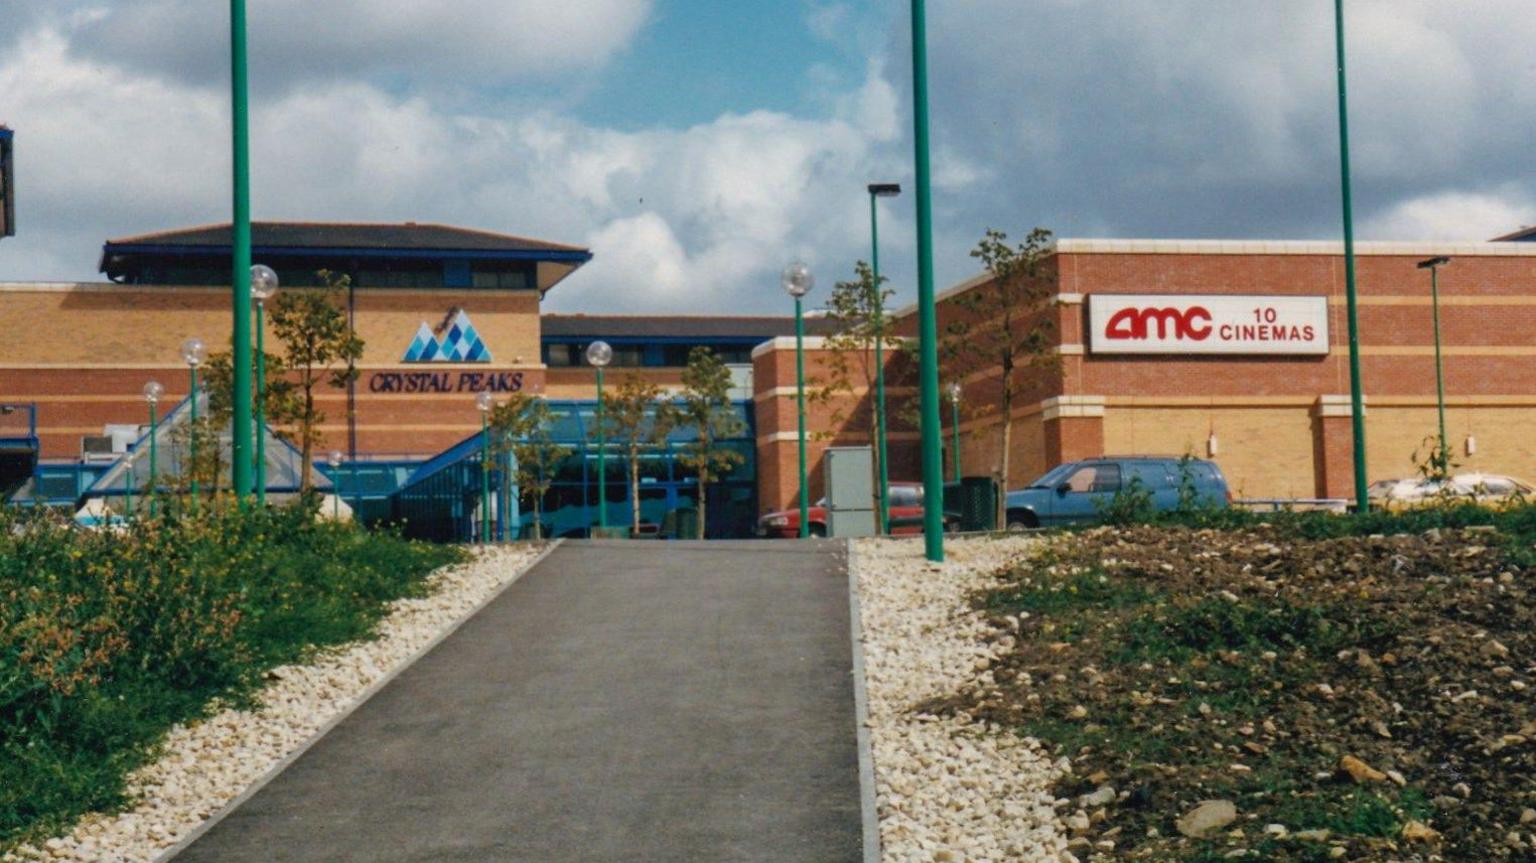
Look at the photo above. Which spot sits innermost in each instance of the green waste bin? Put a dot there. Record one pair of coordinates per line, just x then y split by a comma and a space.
680, 523
974, 501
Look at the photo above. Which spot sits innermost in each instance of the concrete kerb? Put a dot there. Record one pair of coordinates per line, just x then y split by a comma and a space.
262, 781
868, 804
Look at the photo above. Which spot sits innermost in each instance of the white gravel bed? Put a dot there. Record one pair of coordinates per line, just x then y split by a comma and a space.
948, 789
206, 765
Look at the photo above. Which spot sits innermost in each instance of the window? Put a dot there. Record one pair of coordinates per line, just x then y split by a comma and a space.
905, 496
1095, 478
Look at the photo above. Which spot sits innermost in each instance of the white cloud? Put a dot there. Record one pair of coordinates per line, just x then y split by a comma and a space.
1463, 216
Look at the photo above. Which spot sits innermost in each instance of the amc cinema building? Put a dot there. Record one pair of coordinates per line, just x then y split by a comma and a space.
1236, 351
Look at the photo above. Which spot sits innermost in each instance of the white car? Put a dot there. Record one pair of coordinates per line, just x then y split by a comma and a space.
1476, 487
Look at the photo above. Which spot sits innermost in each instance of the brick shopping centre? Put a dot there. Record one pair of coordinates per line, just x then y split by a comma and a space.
1232, 350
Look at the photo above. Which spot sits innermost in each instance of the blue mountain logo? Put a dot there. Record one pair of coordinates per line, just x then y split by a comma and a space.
459, 344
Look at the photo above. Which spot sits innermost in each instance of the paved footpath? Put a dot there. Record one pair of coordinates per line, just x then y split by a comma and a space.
623, 701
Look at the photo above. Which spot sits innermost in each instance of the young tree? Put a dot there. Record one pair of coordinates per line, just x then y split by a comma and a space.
706, 407
281, 408
635, 420
319, 347
521, 425
856, 310
1005, 325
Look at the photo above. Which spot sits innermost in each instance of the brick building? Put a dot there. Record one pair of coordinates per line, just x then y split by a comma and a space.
1274, 415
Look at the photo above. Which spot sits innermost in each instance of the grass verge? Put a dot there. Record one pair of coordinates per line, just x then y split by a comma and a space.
110, 637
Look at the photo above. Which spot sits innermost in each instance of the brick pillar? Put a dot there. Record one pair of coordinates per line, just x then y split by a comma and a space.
1074, 428
1333, 447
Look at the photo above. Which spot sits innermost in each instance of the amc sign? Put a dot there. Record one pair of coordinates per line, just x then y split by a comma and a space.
1207, 324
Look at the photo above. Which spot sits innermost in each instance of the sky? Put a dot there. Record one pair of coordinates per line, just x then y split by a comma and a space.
696, 146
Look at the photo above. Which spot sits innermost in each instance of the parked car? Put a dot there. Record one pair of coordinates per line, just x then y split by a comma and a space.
906, 515
1484, 488
1077, 492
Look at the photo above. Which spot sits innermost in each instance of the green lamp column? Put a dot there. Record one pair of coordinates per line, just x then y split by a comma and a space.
599, 355
797, 281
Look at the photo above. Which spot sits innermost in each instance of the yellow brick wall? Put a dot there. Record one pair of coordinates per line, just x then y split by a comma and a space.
1505, 443
117, 326
1264, 452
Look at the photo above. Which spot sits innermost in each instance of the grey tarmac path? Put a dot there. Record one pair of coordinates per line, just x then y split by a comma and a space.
623, 701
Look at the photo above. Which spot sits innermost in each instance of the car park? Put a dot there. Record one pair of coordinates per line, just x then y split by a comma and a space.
1078, 492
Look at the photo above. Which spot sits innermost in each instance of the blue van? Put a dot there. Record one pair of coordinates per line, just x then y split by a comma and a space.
1077, 492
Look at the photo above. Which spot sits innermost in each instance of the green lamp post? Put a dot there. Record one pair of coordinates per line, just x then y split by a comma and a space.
954, 391
599, 355
798, 281
240, 247
1434, 265
128, 461
927, 321
193, 353
484, 402
152, 393
1356, 395
334, 460
877, 191
263, 287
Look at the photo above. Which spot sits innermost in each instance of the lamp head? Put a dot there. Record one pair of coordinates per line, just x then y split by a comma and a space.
797, 279
153, 391
599, 354
954, 390
885, 190
263, 282
193, 352
485, 401
1434, 262
334, 459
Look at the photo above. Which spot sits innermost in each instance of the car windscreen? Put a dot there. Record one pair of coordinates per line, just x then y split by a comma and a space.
1053, 477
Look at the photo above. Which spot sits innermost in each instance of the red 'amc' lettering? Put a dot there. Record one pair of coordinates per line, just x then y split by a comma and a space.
1134, 323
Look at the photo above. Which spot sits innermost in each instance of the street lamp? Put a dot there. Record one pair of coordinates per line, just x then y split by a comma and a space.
240, 255
876, 191
798, 281
927, 320
152, 393
599, 355
263, 286
192, 353
334, 460
128, 459
1434, 265
485, 402
1356, 396
953, 391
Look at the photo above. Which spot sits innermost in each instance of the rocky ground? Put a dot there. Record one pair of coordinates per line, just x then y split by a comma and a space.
206, 765
950, 788
1248, 695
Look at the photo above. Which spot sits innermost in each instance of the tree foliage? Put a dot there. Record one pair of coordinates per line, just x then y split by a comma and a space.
521, 425
634, 418
705, 406
1005, 325
319, 347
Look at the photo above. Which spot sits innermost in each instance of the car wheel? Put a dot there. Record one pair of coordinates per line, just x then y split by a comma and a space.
1022, 520
818, 530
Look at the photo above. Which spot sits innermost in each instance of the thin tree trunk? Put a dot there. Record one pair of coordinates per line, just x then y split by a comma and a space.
634, 490
538, 516
701, 505
309, 434
1007, 431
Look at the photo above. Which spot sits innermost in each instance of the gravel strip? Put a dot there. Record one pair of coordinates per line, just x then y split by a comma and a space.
948, 789
204, 766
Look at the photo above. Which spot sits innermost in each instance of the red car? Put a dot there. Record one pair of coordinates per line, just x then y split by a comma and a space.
906, 515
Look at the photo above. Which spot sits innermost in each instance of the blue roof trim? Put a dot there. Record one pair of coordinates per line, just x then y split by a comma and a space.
555, 255
655, 340
7, 134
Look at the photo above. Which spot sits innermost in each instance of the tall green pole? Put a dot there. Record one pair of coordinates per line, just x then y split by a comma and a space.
154, 457
192, 440
261, 407
879, 303
955, 422
1356, 396
805, 493
485, 478
928, 329
240, 446
1434, 290
602, 459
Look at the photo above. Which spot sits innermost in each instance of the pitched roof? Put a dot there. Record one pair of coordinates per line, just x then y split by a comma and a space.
348, 235
1526, 234
675, 326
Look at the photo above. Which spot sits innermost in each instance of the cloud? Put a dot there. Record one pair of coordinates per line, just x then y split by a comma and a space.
1462, 216
467, 43
694, 219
